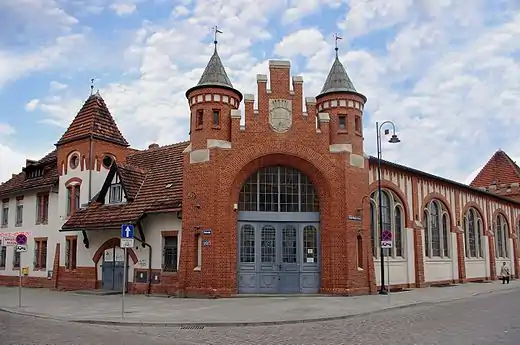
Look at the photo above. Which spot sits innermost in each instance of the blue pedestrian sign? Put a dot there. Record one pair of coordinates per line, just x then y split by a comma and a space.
127, 231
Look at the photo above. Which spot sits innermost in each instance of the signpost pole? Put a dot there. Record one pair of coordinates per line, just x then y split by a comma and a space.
388, 265
20, 282
124, 285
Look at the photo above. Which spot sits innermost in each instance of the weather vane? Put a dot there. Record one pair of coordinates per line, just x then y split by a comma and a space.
91, 86
216, 31
336, 39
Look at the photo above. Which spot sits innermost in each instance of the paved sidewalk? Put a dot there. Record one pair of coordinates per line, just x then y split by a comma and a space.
160, 311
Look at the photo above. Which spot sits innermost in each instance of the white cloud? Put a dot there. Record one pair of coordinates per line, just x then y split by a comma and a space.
15, 65
450, 83
56, 86
123, 9
32, 105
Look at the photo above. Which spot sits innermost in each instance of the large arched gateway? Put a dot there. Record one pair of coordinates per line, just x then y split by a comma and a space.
278, 239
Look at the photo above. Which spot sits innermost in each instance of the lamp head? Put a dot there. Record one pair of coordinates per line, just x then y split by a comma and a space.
394, 139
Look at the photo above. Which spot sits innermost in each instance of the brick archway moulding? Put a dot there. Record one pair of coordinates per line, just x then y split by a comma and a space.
315, 175
439, 197
111, 243
504, 214
465, 209
394, 189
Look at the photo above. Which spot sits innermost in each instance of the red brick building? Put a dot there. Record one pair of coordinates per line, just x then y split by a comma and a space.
282, 204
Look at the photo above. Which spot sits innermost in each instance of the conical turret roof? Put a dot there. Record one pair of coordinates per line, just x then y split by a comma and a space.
338, 79
214, 75
94, 120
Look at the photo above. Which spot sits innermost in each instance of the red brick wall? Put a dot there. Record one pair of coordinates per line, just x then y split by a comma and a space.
340, 187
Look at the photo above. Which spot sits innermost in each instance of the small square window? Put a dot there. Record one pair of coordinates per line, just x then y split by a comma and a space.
116, 193
216, 117
357, 124
342, 122
200, 118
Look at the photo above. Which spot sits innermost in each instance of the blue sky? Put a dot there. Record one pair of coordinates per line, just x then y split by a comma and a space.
445, 71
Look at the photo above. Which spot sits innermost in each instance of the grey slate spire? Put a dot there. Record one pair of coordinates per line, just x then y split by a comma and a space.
214, 74
338, 79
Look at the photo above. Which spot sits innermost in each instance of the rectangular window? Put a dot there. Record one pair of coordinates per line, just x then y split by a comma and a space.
40, 254
69, 201
16, 260
71, 248
5, 213
77, 194
42, 209
19, 212
170, 249
357, 124
342, 122
200, 118
116, 193
3, 257
216, 117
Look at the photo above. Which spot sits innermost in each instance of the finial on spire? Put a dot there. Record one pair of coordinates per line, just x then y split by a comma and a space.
91, 86
336, 39
216, 31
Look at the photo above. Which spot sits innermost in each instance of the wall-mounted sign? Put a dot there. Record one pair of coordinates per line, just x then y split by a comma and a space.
207, 232
355, 218
206, 243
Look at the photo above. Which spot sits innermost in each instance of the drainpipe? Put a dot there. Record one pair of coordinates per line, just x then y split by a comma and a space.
149, 287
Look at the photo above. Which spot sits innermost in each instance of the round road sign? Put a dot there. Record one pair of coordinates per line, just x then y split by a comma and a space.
387, 235
21, 239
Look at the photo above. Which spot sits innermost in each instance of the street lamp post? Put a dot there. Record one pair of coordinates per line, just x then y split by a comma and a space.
394, 140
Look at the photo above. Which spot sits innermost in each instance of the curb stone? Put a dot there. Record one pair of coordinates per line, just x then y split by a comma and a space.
193, 325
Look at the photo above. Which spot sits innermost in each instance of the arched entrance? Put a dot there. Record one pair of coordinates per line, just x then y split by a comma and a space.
278, 233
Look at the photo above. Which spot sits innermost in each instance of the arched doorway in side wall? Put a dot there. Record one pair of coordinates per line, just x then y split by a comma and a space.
278, 233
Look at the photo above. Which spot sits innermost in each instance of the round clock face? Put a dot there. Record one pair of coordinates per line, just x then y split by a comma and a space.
280, 119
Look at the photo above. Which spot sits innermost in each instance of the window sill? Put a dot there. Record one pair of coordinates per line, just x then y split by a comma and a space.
360, 269
199, 128
215, 127
392, 259
18, 225
475, 259
2, 268
4, 225
342, 131
169, 273
42, 222
71, 270
198, 269
435, 259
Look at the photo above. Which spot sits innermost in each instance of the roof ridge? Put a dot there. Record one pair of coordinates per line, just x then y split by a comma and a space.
155, 149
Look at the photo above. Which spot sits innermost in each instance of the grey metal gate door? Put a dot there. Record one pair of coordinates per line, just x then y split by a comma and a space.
278, 258
289, 270
269, 265
112, 271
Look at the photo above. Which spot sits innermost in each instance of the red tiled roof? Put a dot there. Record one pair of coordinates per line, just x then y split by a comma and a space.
94, 119
500, 169
154, 175
48, 168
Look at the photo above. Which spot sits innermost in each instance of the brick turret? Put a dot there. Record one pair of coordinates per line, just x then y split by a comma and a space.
211, 102
344, 106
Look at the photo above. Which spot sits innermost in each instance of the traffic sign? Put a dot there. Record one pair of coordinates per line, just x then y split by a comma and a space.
21, 248
21, 239
386, 236
127, 242
386, 244
127, 231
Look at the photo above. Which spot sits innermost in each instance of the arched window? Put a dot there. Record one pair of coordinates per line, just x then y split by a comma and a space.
393, 220
436, 221
501, 237
278, 189
473, 234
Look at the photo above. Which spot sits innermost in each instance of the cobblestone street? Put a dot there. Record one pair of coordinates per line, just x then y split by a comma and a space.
487, 319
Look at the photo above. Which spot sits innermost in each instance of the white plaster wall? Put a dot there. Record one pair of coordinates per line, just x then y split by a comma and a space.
510, 261
475, 268
440, 269
153, 224
49, 230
